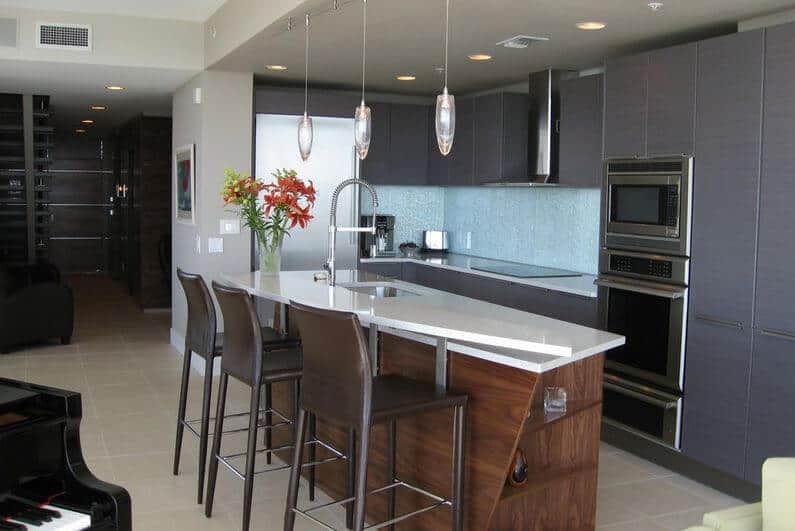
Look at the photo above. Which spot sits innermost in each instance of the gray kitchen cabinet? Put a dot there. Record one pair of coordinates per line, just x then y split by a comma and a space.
386, 269
723, 252
501, 137
436, 278
625, 106
671, 100
771, 432
408, 272
775, 289
715, 405
375, 167
581, 112
555, 304
649, 103
408, 154
461, 165
438, 164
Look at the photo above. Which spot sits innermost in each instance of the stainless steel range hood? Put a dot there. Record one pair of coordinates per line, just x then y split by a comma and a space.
542, 157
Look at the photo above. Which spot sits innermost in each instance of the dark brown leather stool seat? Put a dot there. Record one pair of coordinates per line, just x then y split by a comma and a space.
338, 385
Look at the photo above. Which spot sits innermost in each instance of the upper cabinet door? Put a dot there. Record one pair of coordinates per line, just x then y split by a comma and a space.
775, 286
438, 165
488, 138
726, 182
515, 141
462, 156
408, 154
375, 167
625, 106
581, 131
671, 100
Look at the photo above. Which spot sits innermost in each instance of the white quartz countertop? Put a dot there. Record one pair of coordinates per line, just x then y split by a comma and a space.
582, 285
497, 333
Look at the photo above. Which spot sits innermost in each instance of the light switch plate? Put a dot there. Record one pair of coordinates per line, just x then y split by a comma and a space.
229, 226
198, 244
215, 245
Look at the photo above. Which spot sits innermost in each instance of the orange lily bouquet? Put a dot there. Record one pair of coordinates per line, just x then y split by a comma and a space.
286, 203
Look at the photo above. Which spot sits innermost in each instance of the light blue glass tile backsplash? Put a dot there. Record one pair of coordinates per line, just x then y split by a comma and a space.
553, 227
416, 208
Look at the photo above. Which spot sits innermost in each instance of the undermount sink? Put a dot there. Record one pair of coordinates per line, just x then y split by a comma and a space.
377, 290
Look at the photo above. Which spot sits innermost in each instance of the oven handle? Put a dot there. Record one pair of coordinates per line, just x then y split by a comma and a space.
668, 293
665, 404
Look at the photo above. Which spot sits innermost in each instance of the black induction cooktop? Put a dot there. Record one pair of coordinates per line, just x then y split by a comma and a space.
525, 271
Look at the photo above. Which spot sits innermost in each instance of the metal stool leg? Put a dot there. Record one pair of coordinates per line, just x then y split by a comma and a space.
349, 481
219, 431
391, 451
361, 479
183, 402
268, 421
458, 468
312, 454
295, 471
251, 457
205, 423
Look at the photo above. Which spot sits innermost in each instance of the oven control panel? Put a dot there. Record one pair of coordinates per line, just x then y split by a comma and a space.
647, 267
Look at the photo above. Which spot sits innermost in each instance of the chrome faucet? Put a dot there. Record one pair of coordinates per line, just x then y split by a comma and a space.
333, 229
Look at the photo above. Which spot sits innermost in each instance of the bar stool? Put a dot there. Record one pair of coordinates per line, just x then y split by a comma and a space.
248, 361
201, 338
338, 385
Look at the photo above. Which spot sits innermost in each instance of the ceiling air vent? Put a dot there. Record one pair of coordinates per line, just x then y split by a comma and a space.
63, 36
521, 41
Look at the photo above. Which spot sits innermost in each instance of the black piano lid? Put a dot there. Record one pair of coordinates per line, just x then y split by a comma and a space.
10, 396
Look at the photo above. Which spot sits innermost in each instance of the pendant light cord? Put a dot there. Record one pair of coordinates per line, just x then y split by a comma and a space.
306, 68
364, 44
446, 38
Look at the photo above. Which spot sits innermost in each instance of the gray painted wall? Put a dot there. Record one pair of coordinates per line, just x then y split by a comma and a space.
221, 127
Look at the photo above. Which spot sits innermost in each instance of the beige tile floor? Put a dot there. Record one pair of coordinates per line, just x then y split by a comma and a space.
122, 363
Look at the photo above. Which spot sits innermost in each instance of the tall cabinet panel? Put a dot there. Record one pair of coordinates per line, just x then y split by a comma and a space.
672, 100
775, 286
488, 138
726, 179
408, 154
462, 156
375, 167
581, 131
625, 106
438, 164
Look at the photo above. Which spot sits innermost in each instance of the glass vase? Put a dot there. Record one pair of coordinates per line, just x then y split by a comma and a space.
270, 259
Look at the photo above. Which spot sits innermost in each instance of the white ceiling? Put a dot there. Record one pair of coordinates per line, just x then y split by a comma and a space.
191, 10
406, 36
73, 88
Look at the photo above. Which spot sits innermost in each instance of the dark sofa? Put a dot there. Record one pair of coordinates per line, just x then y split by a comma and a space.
34, 306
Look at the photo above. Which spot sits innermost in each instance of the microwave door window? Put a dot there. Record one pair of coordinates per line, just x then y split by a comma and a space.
638, 204
645, 321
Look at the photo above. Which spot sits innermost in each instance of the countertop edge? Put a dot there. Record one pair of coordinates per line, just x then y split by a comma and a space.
549, 283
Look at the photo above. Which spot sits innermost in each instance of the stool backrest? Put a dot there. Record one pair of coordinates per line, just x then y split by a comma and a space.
200, 334
242, 356
337, 379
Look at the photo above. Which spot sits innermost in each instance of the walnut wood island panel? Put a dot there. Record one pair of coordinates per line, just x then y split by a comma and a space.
505, 414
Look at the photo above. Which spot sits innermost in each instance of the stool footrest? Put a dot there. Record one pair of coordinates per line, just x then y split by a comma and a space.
337, 455
284, 422
438, 502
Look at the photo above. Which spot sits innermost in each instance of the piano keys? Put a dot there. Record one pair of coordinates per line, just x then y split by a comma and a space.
45, 484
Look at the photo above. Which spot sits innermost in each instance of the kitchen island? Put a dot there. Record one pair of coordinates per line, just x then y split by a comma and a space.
503, 359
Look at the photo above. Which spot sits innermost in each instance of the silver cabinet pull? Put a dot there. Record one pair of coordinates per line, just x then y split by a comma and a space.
668, 293
719, 322
781, 334
639, 396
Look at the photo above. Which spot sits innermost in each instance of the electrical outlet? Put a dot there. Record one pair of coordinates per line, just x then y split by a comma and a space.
215, 245
229, 226
469, 240
198, 244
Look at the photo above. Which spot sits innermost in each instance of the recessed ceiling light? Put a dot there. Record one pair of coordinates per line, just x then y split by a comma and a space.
479, 57
278, 68
655, 6
591, 25
89, 122
80, 131
114, 87
98, 108
405, 77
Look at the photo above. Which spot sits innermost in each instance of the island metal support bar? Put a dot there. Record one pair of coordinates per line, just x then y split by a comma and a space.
441, 362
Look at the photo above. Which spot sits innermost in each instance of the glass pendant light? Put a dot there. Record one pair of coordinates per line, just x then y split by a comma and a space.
305, 124
445, 102
362, 123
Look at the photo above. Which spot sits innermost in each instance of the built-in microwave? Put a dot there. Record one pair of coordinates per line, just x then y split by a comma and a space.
647, 205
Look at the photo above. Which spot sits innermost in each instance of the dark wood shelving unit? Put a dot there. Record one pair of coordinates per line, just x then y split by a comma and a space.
26, 141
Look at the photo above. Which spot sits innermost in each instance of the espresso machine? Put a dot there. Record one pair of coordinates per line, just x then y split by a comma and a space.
382, 243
